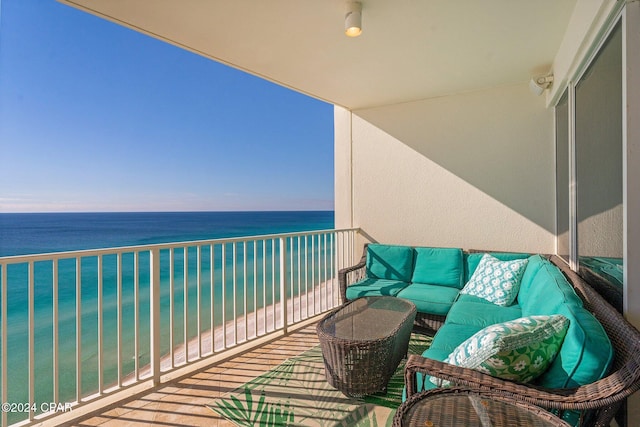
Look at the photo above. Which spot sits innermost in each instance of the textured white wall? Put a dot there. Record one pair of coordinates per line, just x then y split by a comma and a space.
474, 170
342, 167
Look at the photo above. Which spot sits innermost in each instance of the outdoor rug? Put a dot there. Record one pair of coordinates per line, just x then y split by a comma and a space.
296, 393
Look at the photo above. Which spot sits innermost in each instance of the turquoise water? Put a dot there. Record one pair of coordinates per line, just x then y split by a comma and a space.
36, 233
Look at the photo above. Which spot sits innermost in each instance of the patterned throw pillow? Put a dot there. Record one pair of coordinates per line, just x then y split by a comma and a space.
496, 281
518, 350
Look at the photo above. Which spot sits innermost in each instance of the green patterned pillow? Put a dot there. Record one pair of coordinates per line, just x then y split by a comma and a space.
518, 350
496, 281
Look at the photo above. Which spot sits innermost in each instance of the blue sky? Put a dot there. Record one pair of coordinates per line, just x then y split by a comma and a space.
97, 117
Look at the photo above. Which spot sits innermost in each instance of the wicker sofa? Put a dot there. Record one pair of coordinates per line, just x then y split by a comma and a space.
429, 277
577, 385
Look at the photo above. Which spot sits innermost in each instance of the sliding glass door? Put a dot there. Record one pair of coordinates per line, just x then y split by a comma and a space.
589, 166
598, 148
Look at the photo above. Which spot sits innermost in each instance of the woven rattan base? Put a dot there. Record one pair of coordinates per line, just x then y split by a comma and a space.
363, 342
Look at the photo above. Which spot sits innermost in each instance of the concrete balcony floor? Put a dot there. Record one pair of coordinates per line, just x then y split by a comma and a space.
182, 402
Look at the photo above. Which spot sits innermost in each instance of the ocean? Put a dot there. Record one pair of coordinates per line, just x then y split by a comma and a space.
25, 234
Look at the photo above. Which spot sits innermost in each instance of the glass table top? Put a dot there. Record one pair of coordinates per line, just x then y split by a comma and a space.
368, 318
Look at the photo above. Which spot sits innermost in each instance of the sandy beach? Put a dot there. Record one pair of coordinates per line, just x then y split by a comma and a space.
245, 328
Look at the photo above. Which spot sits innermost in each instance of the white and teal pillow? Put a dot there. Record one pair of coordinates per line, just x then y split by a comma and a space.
518, 350
496, 281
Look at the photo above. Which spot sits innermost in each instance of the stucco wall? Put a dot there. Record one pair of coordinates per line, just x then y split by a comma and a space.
474, 170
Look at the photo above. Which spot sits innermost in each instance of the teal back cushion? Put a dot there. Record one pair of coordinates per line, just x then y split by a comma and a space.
547, 291
389, 262
585, 355
438, 266
472, 260
374, 287
586, 351
533, 267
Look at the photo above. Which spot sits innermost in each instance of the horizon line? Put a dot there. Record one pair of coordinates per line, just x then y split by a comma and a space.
168, 211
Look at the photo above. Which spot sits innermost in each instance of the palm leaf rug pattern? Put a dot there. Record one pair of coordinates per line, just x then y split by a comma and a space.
296, 393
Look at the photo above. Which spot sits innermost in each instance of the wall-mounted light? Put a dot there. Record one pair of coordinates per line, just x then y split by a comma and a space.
353, 19
537, 85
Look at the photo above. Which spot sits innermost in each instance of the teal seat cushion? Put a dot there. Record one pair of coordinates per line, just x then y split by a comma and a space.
436, 354
432, 299
374, 287
478, 312
450, 336
389, 262
472, 260
438, 266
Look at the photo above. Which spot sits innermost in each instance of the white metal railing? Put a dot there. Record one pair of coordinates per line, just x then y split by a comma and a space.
76, 326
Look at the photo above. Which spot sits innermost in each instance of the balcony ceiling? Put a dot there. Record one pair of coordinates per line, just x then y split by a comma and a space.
409, 49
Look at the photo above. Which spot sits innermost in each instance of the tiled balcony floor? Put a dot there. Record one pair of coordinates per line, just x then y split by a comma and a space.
182, 403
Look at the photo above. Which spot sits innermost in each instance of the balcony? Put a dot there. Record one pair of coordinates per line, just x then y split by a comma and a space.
83, 330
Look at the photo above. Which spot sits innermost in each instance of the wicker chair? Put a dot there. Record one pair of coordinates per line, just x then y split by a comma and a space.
599, 401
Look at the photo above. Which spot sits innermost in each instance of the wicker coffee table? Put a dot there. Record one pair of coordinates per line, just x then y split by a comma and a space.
363, 342
453, 407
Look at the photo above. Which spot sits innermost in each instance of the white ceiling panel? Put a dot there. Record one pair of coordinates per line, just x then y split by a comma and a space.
409, 49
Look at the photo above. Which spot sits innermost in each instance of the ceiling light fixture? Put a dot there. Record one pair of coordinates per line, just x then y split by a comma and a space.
537, 85
353, 19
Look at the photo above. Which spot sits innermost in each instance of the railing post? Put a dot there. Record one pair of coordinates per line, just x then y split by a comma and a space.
78, 329
283, 284
32, 346
154, 311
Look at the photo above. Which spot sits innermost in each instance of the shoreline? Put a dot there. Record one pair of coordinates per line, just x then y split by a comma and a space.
258, 323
